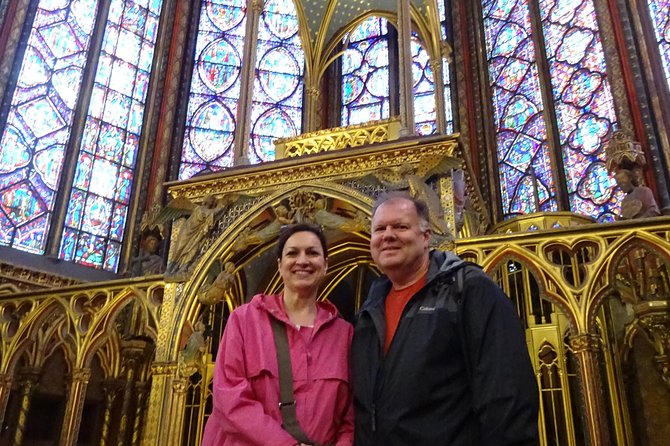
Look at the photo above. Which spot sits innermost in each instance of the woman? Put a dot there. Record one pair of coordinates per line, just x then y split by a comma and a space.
246, 384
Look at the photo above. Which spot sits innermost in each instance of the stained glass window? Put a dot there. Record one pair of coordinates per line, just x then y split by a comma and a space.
446, 69
98, 204
40, 116
583, 103
215, 88
276, 109
660, 16
36, 141
527, 183
365, 73
425, 116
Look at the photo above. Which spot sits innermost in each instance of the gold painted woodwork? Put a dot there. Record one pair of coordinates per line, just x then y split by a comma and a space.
338, 138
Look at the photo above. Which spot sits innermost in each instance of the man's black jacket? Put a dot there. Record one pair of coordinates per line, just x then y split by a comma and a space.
457, 372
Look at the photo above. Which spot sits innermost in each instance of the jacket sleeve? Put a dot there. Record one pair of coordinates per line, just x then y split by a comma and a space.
504, 387
243, 416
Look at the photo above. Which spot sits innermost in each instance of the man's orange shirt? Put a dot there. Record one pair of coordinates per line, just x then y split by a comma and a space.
394, 306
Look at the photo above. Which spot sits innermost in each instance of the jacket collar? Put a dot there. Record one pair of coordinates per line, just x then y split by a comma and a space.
273, 304
440, 262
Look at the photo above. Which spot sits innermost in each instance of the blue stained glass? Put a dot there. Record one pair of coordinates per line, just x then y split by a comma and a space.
660, 17
365, 86
97, 215
39, 119
48, 163
90, 250
276, 107
74, 212
527, 184
118, 222
425, 115
104, 175
583, 103
112, 256
215, 88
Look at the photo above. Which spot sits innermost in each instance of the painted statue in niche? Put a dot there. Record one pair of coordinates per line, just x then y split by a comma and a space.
639, 201
625, 159
148, 261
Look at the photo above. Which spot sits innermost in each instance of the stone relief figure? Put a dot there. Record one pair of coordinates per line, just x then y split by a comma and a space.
249, 237
198, 224
330, 220
190, 358
148, 261
639, 201
300, 207
223, 284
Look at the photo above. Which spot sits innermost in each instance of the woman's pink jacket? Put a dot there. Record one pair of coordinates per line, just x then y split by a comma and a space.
246, 385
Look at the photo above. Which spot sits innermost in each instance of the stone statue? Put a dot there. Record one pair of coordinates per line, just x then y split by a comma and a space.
249, 237
639, 201
223, 284
190, 358
330, 220
148, 261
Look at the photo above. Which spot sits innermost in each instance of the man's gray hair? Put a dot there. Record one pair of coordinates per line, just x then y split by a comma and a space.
420, 206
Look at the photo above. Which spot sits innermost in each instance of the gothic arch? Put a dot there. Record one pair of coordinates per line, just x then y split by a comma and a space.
220, 248
544, 278
612, 257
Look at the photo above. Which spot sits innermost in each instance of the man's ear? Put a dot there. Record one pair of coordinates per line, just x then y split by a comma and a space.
428, 234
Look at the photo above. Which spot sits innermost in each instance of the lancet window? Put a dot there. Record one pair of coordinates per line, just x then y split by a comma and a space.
571, 99
47, 166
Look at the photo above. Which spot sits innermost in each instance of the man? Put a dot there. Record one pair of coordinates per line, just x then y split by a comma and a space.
439, 357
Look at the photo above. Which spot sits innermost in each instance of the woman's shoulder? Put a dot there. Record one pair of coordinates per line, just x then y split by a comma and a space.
260, 303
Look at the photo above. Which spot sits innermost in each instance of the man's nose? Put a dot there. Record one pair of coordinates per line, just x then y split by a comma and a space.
389, 232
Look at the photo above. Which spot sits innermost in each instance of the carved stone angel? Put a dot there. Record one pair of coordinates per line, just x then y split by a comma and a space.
199, 222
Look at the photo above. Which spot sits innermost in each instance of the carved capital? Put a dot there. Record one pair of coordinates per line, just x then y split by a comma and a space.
29, 376
5, 380
179, 385
313, 92
163, 368
257, 6
585, 342
81, 376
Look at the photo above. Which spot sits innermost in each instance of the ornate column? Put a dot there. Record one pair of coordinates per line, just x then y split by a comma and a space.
437, 67
175, 64
311, 104
134, 352
110, 389
5, 390
243, 128
586, 347
141, 389
162, 369
158, 407
405, 65
75, 404
177, 407
28, 378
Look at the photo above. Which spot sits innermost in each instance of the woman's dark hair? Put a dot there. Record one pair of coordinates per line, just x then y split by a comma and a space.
288, 230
